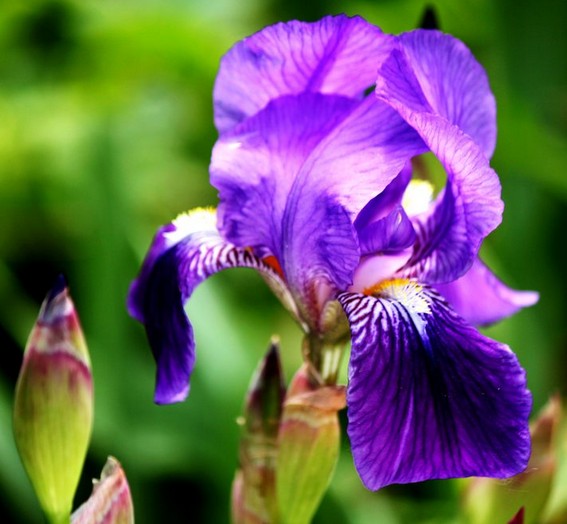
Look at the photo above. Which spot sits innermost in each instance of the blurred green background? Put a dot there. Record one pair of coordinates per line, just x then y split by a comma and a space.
105, 134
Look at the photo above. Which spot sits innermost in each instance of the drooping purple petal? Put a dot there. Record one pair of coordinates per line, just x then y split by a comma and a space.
183, 254
453, 84
470, 206
481, 298
336, 55
429, 397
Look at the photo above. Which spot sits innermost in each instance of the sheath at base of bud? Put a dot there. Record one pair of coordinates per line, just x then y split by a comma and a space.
308, 447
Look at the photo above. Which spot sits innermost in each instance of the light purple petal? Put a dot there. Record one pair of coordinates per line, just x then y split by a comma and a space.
335, 55
429, 397
470, 206
293, 177
320, 250
360, 158
481, 298
182, 255
255, 165
453, 84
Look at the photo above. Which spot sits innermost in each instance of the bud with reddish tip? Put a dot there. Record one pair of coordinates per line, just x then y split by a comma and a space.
253, 491
53, 407
110, 502
518, 517
308, 446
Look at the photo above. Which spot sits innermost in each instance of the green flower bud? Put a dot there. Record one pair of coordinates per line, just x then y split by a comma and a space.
308, 447
110, 502
253, 492
53, 408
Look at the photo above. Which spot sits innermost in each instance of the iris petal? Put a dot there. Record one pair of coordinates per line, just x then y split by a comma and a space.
182, 255
255, 165
429, 397
321, 251
294, 176
454, 84
470, 206
480, 298
295, 57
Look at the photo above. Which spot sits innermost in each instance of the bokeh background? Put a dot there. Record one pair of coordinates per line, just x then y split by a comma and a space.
105, 133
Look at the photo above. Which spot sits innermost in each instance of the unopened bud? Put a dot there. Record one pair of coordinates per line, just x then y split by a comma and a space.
110, 502
253, 495
53, 406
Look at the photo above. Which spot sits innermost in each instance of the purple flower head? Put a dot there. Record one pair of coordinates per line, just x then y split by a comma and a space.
318, 187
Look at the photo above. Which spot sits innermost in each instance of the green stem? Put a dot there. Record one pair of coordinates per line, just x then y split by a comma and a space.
59, 518
324, 359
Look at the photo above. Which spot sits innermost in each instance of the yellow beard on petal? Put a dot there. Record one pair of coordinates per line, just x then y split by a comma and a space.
404, 290
197, 219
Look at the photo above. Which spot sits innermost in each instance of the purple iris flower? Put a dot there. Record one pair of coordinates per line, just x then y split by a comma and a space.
320, 191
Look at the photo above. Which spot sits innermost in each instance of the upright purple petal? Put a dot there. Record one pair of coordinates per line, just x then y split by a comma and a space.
429, 397
255, 165
453, 83
470, 206
353, 164
363, 154
293, 178
183, 254
480, 298
321, 250
336, 55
